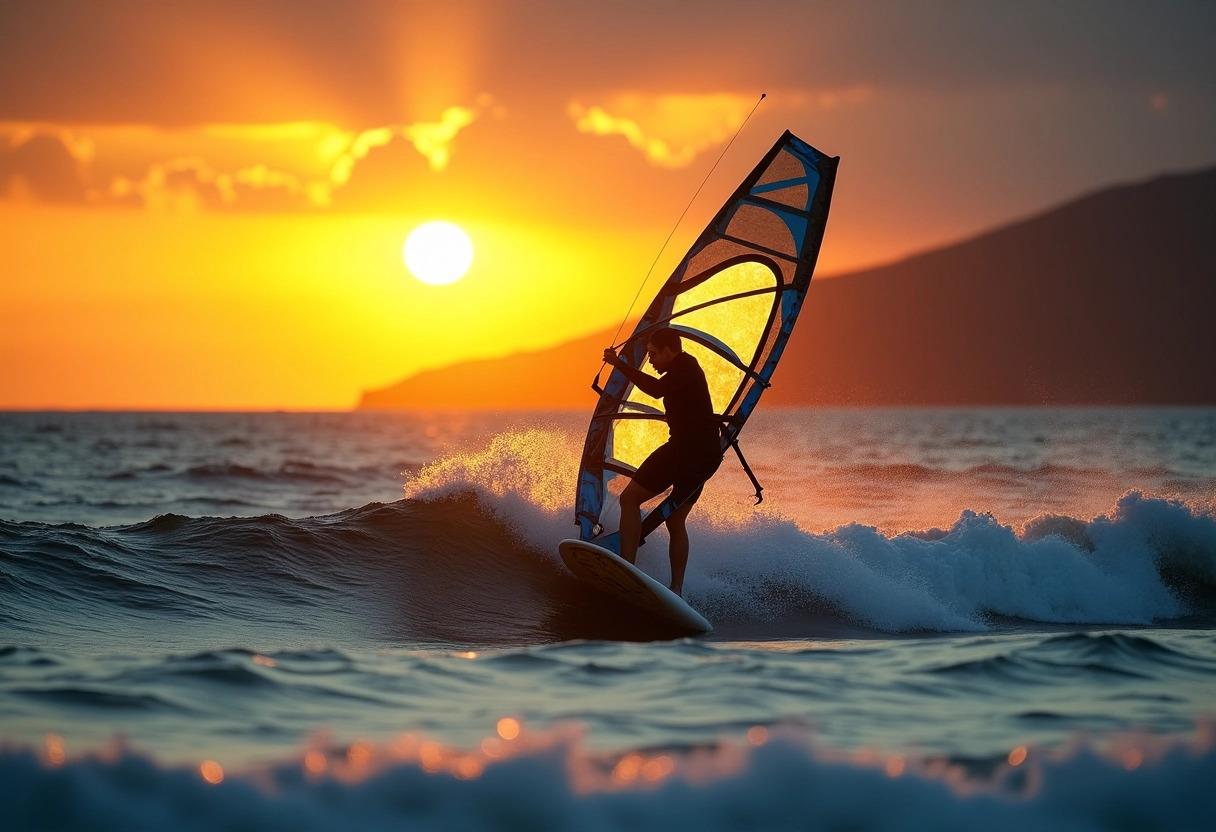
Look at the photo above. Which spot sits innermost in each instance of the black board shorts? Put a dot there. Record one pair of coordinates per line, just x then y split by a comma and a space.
683, 470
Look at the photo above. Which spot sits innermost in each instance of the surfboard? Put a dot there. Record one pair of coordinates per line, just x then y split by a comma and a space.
615, 576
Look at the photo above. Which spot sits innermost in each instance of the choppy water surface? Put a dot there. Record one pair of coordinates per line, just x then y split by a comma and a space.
960, 610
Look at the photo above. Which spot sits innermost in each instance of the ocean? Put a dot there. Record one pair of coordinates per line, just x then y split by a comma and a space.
936, 619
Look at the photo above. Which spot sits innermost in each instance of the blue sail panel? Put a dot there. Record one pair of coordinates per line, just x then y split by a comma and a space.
735, 298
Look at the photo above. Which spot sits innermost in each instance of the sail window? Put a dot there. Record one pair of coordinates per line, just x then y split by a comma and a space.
739, 322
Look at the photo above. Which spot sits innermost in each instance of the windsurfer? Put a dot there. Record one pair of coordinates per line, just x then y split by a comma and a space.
686, 461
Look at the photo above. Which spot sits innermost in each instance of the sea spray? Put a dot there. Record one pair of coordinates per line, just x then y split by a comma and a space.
759, 564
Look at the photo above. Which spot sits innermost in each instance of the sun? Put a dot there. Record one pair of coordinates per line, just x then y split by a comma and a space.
438, 253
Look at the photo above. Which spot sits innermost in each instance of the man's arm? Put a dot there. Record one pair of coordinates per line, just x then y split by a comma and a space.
645, 382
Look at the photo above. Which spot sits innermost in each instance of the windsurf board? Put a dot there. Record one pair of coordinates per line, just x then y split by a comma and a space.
614, 575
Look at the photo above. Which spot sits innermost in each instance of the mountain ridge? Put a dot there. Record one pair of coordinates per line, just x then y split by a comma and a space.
1104, 299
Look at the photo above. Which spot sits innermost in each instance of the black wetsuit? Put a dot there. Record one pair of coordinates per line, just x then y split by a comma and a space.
694, 450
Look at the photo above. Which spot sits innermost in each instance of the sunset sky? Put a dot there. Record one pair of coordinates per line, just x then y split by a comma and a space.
203, 204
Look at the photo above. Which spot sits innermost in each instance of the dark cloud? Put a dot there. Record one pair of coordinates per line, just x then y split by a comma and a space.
43, 167
187, 61
177, 62
943, 44
966, 111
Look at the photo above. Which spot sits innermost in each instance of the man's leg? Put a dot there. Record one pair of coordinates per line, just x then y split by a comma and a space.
631, 518
677, 548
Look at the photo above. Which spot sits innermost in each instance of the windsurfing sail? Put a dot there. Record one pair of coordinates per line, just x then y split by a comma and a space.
734, 299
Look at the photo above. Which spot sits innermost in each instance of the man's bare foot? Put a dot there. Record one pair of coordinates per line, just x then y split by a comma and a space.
678, 590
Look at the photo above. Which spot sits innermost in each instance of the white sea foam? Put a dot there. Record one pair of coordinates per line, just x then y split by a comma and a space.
976, 568
1105, 570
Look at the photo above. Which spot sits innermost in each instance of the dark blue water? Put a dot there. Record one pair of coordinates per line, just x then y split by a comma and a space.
938, 619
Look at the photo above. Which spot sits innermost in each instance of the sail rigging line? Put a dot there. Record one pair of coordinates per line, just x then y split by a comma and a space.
671, 234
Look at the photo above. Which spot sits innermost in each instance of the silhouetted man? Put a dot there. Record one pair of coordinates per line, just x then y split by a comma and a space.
690, 456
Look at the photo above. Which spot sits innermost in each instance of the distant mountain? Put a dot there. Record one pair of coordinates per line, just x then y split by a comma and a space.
1108, 299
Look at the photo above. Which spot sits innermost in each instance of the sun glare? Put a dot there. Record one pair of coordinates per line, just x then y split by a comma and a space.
438, 253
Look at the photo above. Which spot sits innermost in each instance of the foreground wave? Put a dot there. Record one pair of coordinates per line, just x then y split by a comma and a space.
553, 781
972, 696
463, 566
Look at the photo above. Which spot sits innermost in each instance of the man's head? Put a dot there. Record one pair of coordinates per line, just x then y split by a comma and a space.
663, 345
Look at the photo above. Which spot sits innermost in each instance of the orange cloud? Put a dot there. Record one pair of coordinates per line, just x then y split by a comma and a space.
432, 139
190, 184
278, 167
672, 130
